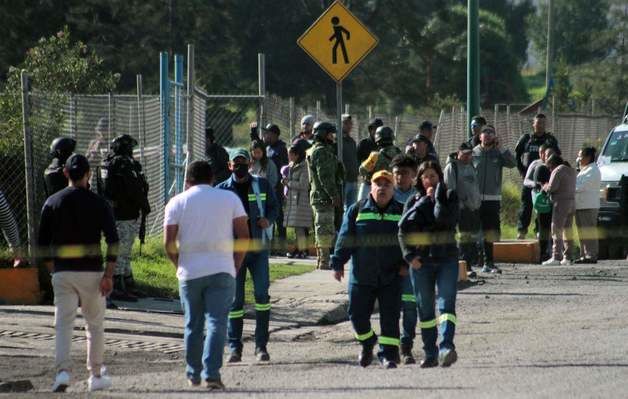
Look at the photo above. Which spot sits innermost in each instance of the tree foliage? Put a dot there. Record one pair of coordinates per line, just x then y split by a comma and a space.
56, 65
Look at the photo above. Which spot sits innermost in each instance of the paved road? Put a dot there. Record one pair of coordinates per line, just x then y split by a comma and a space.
532, 332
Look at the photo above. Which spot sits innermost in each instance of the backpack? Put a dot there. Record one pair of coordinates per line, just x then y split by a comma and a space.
541, 202
122, 180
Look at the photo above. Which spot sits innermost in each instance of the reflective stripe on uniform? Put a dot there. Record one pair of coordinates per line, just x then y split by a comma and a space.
391, 217
389, 341
236, 314
408, 298
253, 198
262, 307
378, 216
427, 324
365, 336
447, 317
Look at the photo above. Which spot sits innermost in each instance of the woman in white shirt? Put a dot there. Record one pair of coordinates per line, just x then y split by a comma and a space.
587, 204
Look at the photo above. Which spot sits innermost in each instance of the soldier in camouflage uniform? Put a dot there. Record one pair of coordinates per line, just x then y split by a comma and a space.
378, 160
124, 185
326, 176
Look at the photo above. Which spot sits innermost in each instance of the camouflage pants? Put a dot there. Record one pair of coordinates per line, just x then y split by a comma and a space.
324, 231
127, 232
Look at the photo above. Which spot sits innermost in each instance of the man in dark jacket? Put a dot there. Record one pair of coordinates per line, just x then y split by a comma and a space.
258, 198
368, 144
217, 157
420, 151
367, 236
527, 151
350, 162
73, 222
278, 153
126, 188
60, 149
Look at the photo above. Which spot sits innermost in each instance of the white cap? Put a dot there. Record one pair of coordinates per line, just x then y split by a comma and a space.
308, 120
345, 117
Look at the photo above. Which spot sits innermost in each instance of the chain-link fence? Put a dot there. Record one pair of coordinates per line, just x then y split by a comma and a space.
571, 130
93, 121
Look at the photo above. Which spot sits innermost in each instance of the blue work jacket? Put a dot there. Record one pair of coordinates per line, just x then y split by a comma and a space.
369, 237
268, 199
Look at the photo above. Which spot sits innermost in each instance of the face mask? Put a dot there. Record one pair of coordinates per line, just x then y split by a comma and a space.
240, 170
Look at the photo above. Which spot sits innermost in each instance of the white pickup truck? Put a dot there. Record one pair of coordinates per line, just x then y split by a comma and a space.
613, 216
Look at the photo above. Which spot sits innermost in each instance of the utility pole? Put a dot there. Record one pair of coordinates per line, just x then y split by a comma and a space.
550, 45
473, 62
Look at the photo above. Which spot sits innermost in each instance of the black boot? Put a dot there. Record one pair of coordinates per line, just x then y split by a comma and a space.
406, 355
366, 356
119, 290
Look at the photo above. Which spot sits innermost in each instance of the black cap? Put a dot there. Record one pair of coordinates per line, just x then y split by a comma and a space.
77, 165
420, 138
271, 127
426, 125
376, 122
465, 147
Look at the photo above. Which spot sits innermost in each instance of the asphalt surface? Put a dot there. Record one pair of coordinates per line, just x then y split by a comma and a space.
531, 332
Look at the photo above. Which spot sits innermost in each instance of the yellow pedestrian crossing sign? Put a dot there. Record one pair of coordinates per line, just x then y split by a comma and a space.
337, 41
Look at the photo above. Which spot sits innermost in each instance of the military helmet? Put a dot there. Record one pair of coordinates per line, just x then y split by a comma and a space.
62, 147
123, 145
321, 129
384, 135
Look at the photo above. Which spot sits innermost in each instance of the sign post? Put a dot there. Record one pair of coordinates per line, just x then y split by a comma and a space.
338, 42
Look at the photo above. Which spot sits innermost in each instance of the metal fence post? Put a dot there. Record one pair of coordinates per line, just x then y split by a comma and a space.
508, 120
397, 125
318, 110
261, 89
189, 128
73, 115
141, 121
495, 112
178, 123
29, 169
164, 102
109, 118
292, 117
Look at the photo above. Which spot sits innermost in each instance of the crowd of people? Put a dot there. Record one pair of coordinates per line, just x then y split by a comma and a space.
393, 214
376, 191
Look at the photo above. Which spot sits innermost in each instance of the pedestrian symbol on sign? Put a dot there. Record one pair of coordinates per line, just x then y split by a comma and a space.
339, 32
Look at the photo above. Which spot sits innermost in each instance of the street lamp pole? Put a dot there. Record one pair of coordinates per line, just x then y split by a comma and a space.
473, 62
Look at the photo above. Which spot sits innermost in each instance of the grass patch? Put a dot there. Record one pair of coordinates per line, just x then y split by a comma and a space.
156, 276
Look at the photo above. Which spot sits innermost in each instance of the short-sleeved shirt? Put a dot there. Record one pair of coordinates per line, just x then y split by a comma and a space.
205, 218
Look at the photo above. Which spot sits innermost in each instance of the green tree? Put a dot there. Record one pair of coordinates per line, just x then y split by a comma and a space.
580, 30
59, 66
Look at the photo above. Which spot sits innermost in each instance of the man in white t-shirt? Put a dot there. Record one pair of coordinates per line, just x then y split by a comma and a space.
200, 225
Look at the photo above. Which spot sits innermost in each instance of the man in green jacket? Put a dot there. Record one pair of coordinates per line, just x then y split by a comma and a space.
326, 176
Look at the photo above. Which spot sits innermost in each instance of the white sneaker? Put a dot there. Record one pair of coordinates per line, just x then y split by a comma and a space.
552, 262
98, 383
565, 262
62, 380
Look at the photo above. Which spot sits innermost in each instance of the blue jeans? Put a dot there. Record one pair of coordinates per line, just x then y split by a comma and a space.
350, 193
205, 303
442, 274
257, 264
408, 305
361, 302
